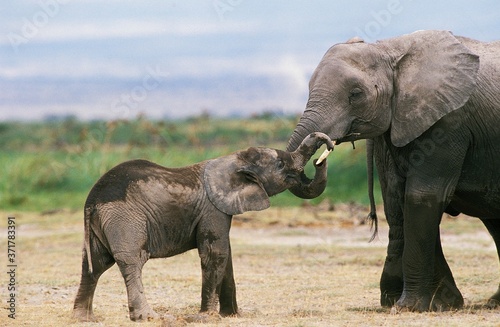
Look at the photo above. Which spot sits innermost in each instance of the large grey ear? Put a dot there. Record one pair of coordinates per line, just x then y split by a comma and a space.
232, 188
434, 75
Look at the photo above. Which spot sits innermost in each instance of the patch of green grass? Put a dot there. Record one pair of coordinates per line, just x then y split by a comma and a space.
54, 164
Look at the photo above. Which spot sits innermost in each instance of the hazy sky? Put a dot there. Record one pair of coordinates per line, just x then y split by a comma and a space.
116, 59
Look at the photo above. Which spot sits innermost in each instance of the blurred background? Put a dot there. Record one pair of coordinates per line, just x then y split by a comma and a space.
88, 84
172, 59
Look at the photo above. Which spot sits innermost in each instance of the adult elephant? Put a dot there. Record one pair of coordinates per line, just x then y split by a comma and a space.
430, 101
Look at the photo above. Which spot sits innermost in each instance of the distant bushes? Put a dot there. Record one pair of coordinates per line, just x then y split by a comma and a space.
53, 164
141, 132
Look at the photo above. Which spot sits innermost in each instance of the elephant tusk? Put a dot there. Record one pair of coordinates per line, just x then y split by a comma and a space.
324, 155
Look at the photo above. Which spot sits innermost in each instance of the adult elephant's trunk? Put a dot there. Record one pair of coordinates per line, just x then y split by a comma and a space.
307, 188
299, 135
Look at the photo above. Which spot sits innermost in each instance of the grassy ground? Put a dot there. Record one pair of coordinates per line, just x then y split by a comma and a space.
302, 266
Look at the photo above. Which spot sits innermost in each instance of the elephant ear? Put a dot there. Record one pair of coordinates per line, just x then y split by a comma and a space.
434, 75
233, 187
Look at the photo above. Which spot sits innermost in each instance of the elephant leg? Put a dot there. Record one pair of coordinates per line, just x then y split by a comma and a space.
228, 305
101, 261
392, 187
446, 295
419, 253
130, 264
428, 282
493, 226
432, 174
391, 281
213, 262
214, 252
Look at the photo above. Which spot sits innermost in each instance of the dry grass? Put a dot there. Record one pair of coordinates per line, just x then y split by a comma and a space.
293, 267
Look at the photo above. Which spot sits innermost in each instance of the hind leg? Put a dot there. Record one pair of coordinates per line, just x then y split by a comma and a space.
101, 261
493, 226
131, 264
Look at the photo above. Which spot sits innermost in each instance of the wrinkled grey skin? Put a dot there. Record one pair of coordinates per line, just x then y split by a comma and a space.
431, 103
140, 210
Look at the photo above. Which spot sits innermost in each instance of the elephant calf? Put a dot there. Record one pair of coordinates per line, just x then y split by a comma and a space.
139, 210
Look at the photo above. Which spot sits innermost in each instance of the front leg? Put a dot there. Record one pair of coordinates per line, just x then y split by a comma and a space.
428, 282
432, 168
215, 254
421, 225
391, 281
446, 294
392, 187
228, 305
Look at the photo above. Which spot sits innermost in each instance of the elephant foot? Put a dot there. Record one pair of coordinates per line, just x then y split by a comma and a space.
421, 306
453, 304
492, 304
144, 314
389, 299
494, 300
446, 296
439, 301
228, 312
411, 304
391, 281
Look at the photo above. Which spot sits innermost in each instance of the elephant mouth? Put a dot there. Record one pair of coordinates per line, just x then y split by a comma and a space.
361, 129
351, 137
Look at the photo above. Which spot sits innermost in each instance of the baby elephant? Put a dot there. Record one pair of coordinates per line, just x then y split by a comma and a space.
139, 210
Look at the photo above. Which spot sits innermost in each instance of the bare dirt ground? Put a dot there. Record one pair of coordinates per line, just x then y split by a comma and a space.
309, 266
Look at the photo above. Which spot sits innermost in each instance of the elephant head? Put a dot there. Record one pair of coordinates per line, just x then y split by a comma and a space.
245, 180
401, 85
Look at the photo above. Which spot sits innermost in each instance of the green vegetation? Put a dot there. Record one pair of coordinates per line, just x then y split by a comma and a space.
53, 164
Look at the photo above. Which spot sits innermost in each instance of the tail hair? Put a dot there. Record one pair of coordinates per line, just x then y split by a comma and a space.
372, 218
86, 239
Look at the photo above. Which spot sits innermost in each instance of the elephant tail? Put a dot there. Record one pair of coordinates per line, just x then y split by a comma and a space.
372, 216
86, 241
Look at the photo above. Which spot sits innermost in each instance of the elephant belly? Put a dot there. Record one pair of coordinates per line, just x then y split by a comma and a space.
477, 204
479, 194
172, 234
171, 216
168, 241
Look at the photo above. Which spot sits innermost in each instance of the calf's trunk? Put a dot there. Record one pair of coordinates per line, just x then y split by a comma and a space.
310, 188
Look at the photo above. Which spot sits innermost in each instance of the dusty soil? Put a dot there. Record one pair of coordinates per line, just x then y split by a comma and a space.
310, 266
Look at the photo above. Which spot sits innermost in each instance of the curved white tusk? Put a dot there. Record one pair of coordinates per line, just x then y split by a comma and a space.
323, 156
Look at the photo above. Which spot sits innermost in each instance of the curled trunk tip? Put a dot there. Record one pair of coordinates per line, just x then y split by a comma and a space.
307, 188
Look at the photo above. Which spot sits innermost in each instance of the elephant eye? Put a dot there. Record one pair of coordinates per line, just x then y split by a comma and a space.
355, 94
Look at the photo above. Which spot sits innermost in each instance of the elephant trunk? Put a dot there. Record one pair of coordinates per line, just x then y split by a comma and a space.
307, 188
301, 131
